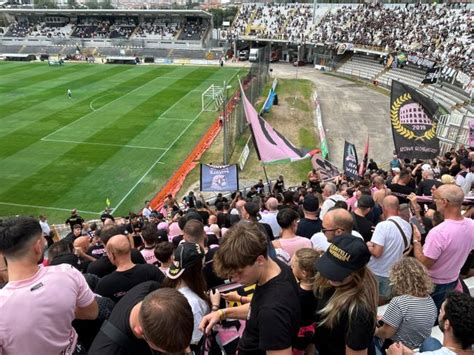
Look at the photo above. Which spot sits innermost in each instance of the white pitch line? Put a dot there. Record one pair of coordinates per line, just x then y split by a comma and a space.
163, 154
156, 162
174, 119
105, 144
45, 207
100, 108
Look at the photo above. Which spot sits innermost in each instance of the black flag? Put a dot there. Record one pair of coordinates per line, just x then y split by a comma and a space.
350, 163
414, 120
431, 76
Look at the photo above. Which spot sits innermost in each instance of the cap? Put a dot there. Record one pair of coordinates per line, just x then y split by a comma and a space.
365, 201
186, 255
310, 203
346, 255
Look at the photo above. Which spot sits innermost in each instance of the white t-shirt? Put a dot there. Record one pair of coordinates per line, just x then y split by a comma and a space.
36, 313
45, 227
270, 218
330, 202
387, 235
442, 351
320, 242
199, 307
146, 212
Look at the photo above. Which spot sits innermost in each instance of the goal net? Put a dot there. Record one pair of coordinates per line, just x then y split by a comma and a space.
213, 98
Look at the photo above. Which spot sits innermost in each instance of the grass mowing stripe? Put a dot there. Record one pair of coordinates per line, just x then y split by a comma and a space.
10, 69
58, 90
27, 135
65, 171
39, 73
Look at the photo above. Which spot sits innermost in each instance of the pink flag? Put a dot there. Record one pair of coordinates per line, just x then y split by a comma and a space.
271, 146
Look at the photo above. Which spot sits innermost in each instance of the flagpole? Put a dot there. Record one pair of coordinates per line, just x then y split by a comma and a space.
266, 178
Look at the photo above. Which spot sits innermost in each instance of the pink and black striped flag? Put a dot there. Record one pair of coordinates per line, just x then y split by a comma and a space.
271, 146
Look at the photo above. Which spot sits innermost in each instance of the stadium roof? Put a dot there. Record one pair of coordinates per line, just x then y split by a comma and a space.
115, 12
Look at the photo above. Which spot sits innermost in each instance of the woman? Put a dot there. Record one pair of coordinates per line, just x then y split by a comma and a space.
185, 274
411, 314
287, 219
346, 294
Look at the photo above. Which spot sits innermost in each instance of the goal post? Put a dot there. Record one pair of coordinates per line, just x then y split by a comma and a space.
212, 99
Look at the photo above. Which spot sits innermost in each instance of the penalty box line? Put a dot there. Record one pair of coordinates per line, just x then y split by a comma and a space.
46, 207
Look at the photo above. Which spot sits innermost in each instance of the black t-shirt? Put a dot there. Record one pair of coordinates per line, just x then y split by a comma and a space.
103, 266
278, 187
212, 280
120, 318
274, 315
118, 283
74, 219
308, 306
363, 226
402, 189
308, 227
96, 250
357, 333
424, 187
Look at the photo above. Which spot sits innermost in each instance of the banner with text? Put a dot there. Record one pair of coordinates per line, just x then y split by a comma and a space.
414, 119
350, 163
219, 178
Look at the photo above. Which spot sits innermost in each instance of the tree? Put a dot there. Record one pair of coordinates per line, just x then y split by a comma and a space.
45, 4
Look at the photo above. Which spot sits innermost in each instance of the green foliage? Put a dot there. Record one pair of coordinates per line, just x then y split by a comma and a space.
45, 4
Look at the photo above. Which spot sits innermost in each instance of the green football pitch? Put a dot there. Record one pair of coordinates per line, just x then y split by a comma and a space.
121, 135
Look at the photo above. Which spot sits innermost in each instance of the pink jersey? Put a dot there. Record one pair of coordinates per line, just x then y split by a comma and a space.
449, 243
149, 255
291, 245
36, 313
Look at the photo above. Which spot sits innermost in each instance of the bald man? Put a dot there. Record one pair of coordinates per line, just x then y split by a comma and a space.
269, 217
336, 222
127, 275
447, 245
391, 239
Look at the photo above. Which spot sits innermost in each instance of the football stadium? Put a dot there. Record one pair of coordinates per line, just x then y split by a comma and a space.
236, 177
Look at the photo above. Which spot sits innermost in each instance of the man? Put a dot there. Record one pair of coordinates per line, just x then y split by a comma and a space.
465, 177
69, 93
260, 187
391, 239
273, 315
455, 321
310, 224
146, 318
372, 165
271, 215
43, 221
146, 212
103, 266
41, 302
330, 198
336, 222
447, 245
362, 224
253, 192
127, 274
74, 234
74, 219
401, 186
395, 163
427, 183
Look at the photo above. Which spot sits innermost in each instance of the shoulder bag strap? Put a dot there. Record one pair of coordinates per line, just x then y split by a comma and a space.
405, 239
116, 335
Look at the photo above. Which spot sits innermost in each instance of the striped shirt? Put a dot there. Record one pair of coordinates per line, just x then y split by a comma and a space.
412, 317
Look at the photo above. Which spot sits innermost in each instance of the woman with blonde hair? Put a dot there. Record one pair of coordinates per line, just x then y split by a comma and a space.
411, 314
346, 295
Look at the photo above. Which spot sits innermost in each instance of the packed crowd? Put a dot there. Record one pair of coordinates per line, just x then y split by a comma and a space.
157, 28
436, 32
103, 28
288, 271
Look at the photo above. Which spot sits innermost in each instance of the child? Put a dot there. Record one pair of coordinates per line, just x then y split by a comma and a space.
302, 265
164, 253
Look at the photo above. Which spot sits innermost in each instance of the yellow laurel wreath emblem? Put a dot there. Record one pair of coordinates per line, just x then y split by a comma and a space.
405, 132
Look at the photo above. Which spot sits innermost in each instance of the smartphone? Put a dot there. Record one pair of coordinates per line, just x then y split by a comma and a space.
415, 222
